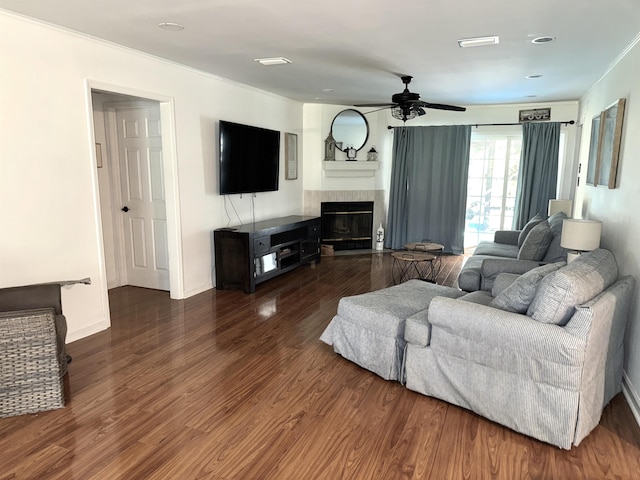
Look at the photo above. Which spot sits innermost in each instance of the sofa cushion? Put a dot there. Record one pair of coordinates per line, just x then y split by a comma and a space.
517, 297
502, 281
536, 243
493, 249
535, 220
480, 297
560, 292
556, 253
384, 311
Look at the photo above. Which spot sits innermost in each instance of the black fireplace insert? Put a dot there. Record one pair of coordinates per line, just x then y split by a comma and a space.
347, 225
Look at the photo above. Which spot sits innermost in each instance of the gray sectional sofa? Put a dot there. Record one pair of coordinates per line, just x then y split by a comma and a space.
541, 353
514, 251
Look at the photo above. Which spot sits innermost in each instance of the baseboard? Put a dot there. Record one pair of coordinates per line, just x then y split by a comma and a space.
196, 291
633, 399
74, 335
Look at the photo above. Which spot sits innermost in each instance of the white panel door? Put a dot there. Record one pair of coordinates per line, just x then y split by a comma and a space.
143, 197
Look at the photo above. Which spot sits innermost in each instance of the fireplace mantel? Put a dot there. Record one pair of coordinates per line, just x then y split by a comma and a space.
350, 169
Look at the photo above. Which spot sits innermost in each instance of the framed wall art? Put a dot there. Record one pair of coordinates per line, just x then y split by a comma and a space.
594, 142
98, 155
611, 137
291, 156
604, 146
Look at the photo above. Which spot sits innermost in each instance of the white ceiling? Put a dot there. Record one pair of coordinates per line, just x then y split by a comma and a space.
358, 47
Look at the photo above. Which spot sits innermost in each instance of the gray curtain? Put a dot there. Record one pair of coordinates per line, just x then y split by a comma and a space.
429, 186
538, 174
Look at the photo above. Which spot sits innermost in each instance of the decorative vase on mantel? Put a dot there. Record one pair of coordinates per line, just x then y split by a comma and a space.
330, 148
351, 153
372, 155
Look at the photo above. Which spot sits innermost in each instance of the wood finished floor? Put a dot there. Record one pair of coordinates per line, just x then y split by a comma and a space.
225, 385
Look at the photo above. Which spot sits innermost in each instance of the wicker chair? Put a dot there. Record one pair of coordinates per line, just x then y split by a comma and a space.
33, 356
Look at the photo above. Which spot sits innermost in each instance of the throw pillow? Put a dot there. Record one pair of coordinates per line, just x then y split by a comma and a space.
535, 220
560, 292
536, 243
517, 297
555, 252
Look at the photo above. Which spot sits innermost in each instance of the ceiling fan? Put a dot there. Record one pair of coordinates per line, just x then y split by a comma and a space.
407, 105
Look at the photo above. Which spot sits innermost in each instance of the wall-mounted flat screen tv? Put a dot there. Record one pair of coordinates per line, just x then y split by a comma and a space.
249, 158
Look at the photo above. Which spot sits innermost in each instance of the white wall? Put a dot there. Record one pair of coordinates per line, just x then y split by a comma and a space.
317, 124
616, 207
49, 209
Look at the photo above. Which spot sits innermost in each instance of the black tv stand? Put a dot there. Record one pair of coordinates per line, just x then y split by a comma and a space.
251, 254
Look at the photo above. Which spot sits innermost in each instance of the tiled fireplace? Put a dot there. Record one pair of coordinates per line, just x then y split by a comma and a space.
313, 200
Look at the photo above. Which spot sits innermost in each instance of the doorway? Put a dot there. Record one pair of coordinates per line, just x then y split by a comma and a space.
136, 192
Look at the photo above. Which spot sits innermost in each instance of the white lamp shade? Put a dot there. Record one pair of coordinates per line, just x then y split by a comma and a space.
581, 235
557, 205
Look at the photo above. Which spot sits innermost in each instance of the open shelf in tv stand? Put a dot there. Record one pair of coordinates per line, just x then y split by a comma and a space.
251, 254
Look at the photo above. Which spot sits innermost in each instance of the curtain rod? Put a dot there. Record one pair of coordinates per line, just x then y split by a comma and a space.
567, 122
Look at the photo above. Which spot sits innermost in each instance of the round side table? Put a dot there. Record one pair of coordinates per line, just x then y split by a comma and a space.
412, 265
429, 247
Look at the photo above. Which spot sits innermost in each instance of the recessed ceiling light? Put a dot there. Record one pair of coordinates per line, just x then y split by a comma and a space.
171, 26
272, 61
531, 77
545, 39
327, 90
479, 41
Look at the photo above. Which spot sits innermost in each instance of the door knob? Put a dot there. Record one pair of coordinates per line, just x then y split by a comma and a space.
125, 209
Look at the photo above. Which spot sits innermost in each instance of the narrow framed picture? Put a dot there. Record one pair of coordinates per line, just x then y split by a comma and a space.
291, 156
610, 139
594, 144
98, 155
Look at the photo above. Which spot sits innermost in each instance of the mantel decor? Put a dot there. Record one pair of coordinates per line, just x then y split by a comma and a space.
604, 147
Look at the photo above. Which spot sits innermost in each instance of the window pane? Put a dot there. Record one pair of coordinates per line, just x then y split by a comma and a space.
491, 187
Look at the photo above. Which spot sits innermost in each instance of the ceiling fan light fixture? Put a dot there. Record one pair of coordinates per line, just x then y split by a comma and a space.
479, 41
272, 61
404, 114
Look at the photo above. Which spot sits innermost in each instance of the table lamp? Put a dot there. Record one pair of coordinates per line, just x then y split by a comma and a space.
557, 205
580, 236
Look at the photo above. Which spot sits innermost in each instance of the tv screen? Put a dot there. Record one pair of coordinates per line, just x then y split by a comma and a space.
249, 158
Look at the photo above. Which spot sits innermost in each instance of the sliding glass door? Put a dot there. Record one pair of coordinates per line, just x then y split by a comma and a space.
491, 187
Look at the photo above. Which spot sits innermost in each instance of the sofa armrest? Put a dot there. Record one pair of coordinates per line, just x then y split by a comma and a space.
417, 329
492, 331
510, 237
492, 267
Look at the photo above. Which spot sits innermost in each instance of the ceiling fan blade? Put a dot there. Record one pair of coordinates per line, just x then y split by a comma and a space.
440, 106
378, 109
376, 105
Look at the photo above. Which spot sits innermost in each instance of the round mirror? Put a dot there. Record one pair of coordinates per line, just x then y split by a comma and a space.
350, 129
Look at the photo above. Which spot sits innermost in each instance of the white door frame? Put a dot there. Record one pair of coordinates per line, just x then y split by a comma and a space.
172, 190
